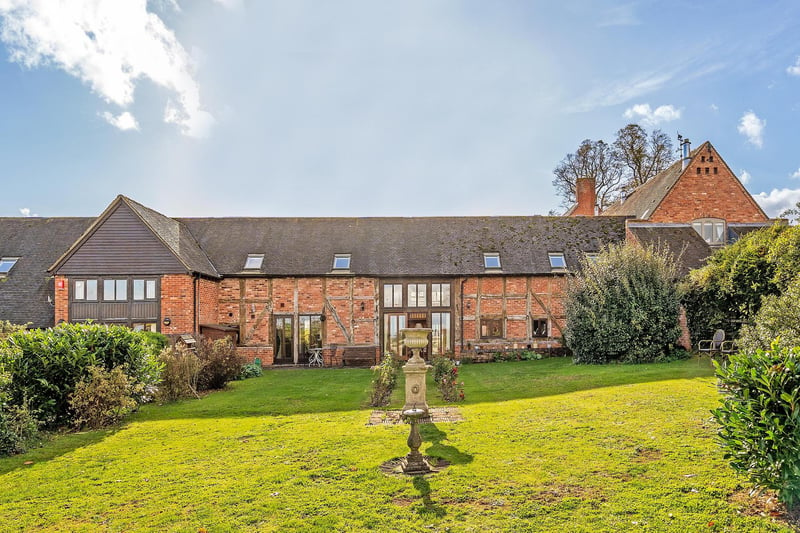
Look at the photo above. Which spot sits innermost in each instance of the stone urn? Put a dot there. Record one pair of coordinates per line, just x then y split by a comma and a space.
416, 369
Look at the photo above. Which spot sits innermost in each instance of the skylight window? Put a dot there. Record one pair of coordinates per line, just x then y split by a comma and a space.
557, 261
590, 256
341, 262
6, 264
491, 260
254, 261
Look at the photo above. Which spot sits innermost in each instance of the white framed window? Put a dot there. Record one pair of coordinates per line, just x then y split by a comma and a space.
85, 289
591, 256
491, 260
417, 295
712, 230
557, 261
393, 295
115, 290
440, 295
144, 289
341, 262
253, 261
6, 264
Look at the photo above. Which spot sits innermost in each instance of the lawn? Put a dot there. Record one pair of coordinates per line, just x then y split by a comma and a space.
544, 446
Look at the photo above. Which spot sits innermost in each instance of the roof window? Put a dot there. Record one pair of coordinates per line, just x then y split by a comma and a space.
254, 261
491, 260
557, 261
341, 262
6, 264
590, 257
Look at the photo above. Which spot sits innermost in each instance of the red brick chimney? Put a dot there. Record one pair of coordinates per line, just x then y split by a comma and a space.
587, 197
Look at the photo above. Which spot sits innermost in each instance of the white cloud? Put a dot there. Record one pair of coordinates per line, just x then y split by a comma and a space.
124, 121
109, 46
794, 70
652, 117
714, 107
795, 174
778, 200
745, 177
752, 127
26, 212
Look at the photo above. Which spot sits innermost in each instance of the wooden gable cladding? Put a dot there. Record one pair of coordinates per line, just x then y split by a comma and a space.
121, 245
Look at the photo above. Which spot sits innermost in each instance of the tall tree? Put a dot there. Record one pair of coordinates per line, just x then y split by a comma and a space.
592, 159
641, 155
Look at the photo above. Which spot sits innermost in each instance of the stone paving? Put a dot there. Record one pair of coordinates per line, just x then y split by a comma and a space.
435, 415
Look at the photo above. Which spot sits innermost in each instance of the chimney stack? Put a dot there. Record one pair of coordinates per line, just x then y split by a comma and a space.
686, 148
586, 196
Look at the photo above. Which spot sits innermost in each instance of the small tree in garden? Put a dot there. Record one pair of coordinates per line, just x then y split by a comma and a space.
623, 306
760, 418
384, 381
779, 317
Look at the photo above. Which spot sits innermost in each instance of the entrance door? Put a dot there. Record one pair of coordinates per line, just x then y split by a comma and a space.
310, 335
284, 354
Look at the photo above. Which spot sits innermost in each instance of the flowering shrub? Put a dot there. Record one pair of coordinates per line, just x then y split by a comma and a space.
384, 381
445, 374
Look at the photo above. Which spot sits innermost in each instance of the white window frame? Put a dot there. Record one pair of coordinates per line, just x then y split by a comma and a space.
254, 262
555, 257
489, 259
341, 262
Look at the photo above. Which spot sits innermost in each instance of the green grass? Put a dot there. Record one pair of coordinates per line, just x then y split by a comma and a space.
545, 446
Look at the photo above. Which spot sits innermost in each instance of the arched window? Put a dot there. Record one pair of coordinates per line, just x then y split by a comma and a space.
712, 230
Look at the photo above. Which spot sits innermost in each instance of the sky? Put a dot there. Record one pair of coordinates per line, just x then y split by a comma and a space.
365, 108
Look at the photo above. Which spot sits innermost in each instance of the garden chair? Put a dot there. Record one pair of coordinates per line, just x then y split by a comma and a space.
715, 344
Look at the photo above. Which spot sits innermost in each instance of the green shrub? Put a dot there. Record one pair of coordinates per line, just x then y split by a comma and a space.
251, 370
46, 365
154, 341
729, 289
180, 375
384, 381
19, 428
623, 306
779, 316
6, 328
760, 418
221, 363
103, 398
445, 375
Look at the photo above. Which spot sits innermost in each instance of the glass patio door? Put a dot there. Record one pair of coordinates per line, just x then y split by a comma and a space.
392, 341
310, 329
284, 354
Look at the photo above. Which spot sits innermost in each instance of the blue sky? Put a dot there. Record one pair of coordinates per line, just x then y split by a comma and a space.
365, 108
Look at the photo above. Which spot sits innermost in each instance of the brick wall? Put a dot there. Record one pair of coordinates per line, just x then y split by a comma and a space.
516, 301
208, 301
61, 299
253, 303
177, 303
708, 189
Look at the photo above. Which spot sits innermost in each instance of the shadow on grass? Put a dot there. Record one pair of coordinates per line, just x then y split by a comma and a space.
451, 454
429, 507
58, 445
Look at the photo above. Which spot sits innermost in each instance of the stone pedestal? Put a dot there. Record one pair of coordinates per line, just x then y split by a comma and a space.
416, 369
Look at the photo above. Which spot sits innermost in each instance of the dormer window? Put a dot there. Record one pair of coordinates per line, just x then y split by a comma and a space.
557, 261
341, 262
712, 230
491, 260
6, 264
254, 261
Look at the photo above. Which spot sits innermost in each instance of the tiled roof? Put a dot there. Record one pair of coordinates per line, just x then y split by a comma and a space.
646, 198
37, 242
682, 241
422, 246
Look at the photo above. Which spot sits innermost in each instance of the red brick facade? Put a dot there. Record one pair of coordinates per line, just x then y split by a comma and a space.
61, 299
708, 189
177, 304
